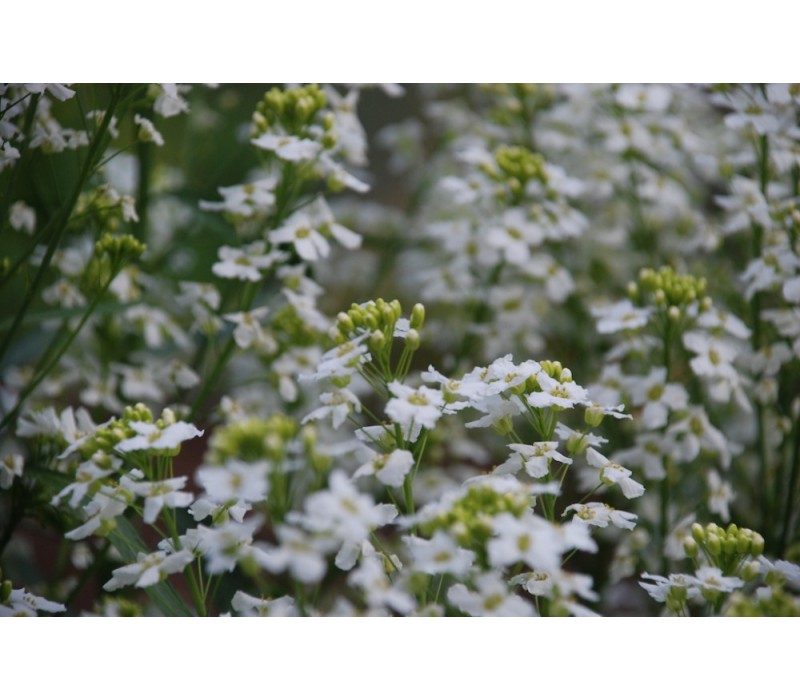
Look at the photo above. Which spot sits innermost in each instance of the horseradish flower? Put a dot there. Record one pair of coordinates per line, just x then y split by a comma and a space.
620, 316
344, 512
613, 473
389, 469
299, 230
151, 437
601, 514
338, 404
161, 494
291, 148
245, 263
535, 458
235, 481
303, 555
439, 555
413, 409
492, 599
554, 393
149, 569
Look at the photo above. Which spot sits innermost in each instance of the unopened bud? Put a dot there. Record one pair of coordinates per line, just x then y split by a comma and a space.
750, 571
757, 546
714, 545
412, 340
417, 316
593, 416
690, 547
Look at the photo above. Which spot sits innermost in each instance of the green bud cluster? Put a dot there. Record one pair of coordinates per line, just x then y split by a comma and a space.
470, 518
378, 315
111, 253
103, 206
667, 289
727, 549
517, 100
292, 109
778, 604
254, 439
513, 168
117, 430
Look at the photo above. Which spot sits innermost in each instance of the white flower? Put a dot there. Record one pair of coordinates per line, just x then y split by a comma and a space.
248, 605
290, 148
299, 230
529, 539
235, 481
554, 393
658, 397
601, 514
21, 216
22, 603
149, 569
439, 555
245, 263
147, 131
160, 494
535, 458
389, 469
492, 599
710, 578
661, 586
249, 331
613, 473
344, 512
413, 409
224, 544
720, 495
245, 200
301, 554
620, 316
11, 466
371, 577
338, 404
168, 102
151, 437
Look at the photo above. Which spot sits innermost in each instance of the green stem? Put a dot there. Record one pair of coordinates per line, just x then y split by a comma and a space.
49, 365
63, 216
788, 517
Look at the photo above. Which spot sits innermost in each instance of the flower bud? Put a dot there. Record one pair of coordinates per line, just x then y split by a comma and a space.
417, 316
750, 571
698, 533
412, 340
690, 547
593, 416
714, 545
757, 546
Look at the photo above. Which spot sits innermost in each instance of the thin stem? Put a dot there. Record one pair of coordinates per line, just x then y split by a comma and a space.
64, 215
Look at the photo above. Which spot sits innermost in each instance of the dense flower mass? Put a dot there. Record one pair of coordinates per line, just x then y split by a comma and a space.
577, 387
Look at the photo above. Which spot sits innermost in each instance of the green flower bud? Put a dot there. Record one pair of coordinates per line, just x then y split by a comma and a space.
412, 340
757, 547
698, 532
593, 416
674, 313
417, 317
690, 547
744, 540
5, 591
714, 545
729, 544
750, 571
